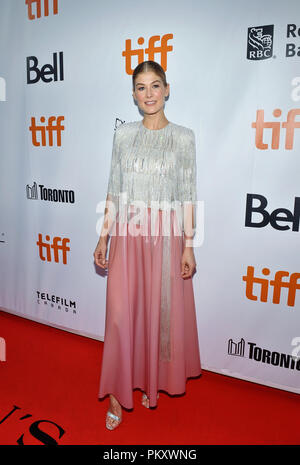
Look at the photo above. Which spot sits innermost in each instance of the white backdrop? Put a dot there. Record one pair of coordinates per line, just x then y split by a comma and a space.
219, 83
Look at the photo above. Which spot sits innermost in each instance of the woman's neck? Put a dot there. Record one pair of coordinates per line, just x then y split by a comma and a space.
155, 121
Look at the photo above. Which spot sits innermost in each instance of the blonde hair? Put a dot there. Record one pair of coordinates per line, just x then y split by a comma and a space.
149, 66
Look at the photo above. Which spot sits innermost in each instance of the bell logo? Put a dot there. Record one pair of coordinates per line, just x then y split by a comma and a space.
50, 72
275, 218
163, 48
289, 125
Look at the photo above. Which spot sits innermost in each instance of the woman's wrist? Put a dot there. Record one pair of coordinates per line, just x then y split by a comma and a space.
103, 239
188, 241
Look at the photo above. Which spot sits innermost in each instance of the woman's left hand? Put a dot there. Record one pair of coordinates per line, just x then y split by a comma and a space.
188, 263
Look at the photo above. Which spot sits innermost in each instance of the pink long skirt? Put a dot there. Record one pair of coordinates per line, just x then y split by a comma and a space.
151, 339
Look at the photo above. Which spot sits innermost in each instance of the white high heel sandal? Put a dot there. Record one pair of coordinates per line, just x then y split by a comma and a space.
114, 417
145, 399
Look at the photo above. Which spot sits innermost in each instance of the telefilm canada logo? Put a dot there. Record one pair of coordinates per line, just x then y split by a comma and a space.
56, 302
263, 355
260, 42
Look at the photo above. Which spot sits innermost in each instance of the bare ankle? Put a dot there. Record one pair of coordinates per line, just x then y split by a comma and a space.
113, 401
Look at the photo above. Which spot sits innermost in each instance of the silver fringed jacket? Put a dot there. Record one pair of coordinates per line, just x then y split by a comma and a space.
153, 167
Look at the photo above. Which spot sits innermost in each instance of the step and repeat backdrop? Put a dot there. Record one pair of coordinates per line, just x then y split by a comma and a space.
65, 85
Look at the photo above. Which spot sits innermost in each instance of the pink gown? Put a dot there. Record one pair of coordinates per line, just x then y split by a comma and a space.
151, 338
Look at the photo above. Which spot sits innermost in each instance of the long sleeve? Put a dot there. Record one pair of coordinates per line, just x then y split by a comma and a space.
113, 189
189, 190
114, 181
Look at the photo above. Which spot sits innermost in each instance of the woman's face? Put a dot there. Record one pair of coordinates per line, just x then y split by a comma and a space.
150, 92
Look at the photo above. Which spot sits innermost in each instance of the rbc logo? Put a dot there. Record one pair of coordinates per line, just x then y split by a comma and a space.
152, 49
260, 42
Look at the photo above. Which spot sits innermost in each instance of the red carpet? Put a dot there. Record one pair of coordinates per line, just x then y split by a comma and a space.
49, 387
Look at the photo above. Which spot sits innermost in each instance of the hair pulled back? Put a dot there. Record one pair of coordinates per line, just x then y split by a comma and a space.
149, 66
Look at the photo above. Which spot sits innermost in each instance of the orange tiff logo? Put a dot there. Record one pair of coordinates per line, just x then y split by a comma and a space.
57, 244
39, 131
291, 283
163, 48
289, 125
39, 8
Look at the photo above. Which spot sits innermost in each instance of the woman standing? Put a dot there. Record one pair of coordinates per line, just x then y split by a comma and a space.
151, 339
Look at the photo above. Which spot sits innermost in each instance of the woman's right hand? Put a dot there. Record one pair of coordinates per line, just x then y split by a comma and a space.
100, 254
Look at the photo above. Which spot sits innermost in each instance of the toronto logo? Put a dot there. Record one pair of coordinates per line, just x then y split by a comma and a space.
260, 42
236, 348
260, 354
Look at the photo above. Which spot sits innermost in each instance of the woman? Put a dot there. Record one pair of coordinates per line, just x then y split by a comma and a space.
151, 339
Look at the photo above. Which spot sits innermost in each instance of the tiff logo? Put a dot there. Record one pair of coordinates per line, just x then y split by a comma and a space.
290, 124
2, 90
57, 244
260, 42
2, 350
236, 348
277, 283
163, 48
38, 8
39, 132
